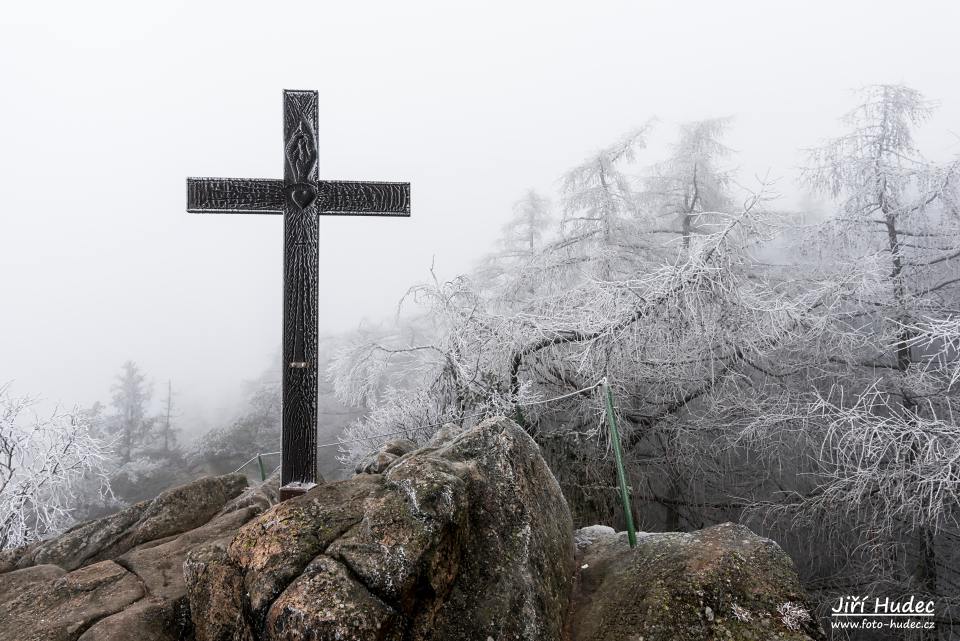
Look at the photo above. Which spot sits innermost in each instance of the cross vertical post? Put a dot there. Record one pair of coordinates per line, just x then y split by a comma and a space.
301, 197
298, 466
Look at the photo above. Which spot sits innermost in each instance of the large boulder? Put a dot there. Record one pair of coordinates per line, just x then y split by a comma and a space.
723, 582
467, 538
121, 577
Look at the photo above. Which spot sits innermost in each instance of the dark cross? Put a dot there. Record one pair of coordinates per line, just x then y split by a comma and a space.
301, 197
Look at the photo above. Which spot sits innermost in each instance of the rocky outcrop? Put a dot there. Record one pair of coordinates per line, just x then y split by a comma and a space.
723, 582
467, 538
121, 577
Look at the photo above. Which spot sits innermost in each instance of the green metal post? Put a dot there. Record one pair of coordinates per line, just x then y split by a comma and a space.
263, 473
621, 474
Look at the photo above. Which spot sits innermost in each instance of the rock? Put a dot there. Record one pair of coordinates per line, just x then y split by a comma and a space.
61, 609
586, 536
445, 434
186, 507
78, 545
141, 592
172, 512
468, 538
348, 610
260, 496
160, 564
18, 580
222, 609
272, 550
720, 582
378, 461
399, 446
145, 620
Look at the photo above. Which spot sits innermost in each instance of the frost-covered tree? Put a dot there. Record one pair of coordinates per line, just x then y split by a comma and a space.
130, 423
43, 463
894, 204
691, 181
522, 240
871, 399
493, 357
528, 229
600, 211
809, 393
166, 430
418, 375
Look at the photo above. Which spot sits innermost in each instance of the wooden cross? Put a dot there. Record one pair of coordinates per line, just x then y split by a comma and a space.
300, 197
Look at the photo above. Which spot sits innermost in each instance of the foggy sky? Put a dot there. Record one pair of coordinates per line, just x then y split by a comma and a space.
108, 106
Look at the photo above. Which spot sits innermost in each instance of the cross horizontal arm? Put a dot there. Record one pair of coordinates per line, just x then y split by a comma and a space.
234, 195
267, 196
356, 198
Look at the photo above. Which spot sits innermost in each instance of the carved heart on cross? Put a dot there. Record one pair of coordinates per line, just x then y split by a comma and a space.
303, 195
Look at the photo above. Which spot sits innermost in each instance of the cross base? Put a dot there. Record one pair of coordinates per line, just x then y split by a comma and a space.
292, 490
